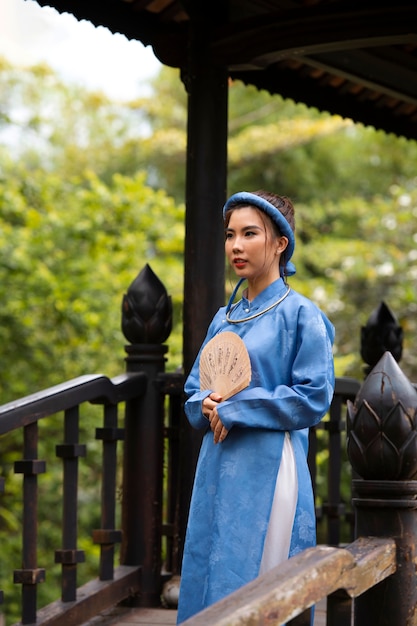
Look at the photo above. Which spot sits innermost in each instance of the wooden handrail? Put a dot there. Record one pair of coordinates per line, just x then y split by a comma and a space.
96, 593
302, 581
95, 388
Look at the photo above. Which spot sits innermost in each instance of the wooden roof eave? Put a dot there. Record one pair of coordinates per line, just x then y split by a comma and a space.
348, 100
270, 38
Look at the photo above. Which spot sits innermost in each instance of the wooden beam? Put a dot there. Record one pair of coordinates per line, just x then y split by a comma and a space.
93, 598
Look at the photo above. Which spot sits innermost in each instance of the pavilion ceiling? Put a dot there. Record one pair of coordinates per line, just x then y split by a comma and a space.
354, 59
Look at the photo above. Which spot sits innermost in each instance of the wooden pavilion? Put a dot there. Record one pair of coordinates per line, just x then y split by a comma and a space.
354, 59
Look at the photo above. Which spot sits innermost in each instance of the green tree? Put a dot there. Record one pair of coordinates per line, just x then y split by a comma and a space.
82, 211
351, 256
69, 249
336, 173
47, 124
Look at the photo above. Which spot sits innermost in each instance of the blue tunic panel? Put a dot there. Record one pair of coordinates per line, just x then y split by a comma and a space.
290, 349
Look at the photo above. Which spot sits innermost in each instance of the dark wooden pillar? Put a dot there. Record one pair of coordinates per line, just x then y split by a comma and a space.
205, 196
206, 172
146, 323
382, 448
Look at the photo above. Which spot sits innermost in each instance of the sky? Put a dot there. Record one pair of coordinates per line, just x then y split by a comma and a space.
77, 51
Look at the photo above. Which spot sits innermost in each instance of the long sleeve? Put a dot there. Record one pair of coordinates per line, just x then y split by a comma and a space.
193, 406
292, 370
304, 399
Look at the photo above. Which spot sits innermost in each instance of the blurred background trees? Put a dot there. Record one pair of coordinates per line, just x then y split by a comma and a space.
92, 190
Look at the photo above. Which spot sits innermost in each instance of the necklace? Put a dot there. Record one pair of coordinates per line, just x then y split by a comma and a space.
251, 317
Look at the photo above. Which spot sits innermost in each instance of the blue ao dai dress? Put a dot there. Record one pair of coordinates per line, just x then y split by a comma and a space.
290, 349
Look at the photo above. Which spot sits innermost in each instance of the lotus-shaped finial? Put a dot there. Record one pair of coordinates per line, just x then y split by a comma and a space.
382, 439
146, 310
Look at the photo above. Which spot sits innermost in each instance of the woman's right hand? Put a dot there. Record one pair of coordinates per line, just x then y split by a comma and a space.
210, 403
210, 411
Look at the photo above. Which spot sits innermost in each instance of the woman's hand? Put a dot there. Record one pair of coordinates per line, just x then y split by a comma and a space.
210, 411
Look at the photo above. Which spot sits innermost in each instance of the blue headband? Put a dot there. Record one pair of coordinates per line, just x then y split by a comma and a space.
244, 197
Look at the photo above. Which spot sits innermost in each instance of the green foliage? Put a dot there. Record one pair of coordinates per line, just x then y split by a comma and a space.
63, 128
82, 211
353, 255
69, 249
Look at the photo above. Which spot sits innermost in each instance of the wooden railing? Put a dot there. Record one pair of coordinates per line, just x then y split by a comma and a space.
334, 513
385, 509
113, 584
26, 414
292, 588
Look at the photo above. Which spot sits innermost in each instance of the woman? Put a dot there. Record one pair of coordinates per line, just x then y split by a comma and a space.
252, 505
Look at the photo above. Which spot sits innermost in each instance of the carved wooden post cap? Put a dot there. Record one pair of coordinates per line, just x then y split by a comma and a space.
381, 333
146, 310
382, 441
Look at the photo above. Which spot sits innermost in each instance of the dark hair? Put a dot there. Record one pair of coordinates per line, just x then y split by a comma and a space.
282, 203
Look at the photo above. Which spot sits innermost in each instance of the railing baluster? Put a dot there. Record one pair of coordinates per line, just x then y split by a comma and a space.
107, 536
1, 491
334, 508
312, 463
69, 556
30, 575
173, 388
339, 609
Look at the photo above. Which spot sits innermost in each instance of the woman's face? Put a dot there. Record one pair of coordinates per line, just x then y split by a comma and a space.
252, 248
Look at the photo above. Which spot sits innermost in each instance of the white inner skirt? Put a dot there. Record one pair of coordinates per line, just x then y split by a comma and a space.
278, 536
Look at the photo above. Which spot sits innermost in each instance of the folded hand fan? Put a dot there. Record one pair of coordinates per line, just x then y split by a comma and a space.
225, 365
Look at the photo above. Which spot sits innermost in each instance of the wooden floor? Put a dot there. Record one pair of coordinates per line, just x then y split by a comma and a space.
165, 617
